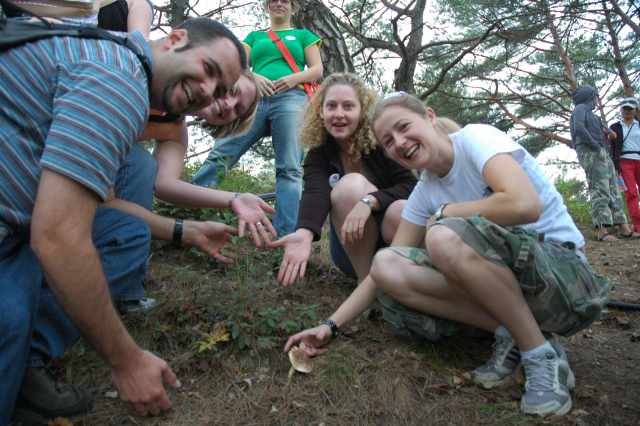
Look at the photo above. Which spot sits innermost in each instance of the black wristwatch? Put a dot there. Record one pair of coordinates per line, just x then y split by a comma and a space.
334, 328
177, 231
439, 211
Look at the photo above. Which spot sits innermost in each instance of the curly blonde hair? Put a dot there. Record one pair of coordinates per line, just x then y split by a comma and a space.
314, 134
241, 124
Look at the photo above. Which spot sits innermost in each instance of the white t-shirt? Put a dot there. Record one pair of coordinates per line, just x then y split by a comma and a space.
473, 147
631, 137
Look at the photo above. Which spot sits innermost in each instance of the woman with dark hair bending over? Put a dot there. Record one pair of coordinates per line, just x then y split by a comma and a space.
502, 254
345, 174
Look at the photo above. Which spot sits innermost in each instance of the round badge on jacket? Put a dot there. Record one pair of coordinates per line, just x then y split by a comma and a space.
333, 179
290, 38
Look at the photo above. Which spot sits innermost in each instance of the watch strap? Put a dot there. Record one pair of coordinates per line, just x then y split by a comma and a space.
233, 197
177, 231
367, 202
439, 211
334, 328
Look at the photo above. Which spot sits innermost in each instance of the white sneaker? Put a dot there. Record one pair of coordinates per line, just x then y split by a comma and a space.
503, 366
138, 305
549, 380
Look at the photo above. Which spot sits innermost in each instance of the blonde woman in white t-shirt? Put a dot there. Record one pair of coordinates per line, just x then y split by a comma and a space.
502, 255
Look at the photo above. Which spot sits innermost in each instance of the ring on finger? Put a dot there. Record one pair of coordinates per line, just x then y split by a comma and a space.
259, 224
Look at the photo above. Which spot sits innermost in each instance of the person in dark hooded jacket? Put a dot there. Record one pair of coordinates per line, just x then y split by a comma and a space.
588, 137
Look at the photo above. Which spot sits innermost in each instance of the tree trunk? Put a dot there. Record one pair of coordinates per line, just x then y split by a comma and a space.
404, 75
622, 71
317, 18
571, 76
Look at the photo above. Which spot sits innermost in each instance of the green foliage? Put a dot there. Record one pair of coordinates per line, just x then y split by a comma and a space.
305, 318
243, 316
575, 197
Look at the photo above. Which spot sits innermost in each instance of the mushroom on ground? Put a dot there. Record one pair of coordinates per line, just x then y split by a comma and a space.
300, 361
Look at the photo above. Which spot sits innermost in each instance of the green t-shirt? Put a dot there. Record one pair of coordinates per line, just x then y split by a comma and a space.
266, 58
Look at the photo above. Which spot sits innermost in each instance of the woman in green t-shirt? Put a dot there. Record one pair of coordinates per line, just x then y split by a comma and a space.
279, 110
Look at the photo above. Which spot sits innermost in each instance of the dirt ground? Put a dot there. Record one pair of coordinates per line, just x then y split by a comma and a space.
369, 376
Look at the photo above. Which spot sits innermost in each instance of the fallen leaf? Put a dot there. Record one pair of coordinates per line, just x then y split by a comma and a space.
297, 404
218, 335
240, 370
195, 395
248, 381
605, 399
112, 394
204, 366
622, 318
457, 380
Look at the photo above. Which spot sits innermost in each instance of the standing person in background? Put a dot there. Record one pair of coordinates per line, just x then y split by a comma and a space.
626, 158
348, 176
587, 135
126, 16
283, 99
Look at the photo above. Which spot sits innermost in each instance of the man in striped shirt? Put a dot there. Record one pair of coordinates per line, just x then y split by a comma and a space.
70, 109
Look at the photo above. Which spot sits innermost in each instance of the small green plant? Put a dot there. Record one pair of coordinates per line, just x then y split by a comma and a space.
305, 318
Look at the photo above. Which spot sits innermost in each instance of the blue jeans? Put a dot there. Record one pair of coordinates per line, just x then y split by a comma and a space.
279, 116
136, 176
339, 256
35, 330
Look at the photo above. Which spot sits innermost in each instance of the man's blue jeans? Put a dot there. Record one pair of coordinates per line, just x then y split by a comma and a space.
279, 116
35, 330
136, 177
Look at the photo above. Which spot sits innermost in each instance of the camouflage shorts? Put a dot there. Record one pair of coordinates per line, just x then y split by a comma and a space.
560, 287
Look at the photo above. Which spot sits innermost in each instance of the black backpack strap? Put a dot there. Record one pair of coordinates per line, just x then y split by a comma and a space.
167, 118
15, 32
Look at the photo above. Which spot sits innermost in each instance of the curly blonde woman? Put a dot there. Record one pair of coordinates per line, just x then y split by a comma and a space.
347, 175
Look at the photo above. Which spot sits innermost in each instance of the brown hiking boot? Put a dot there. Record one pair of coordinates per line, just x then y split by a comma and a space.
41, 398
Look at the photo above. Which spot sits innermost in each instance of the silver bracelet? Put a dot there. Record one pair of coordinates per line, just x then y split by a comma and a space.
367, 202
233, 197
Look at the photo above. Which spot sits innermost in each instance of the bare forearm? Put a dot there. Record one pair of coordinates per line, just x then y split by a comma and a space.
161, 227
76, 278
361, 299
309, 75
499, 208
184, 194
